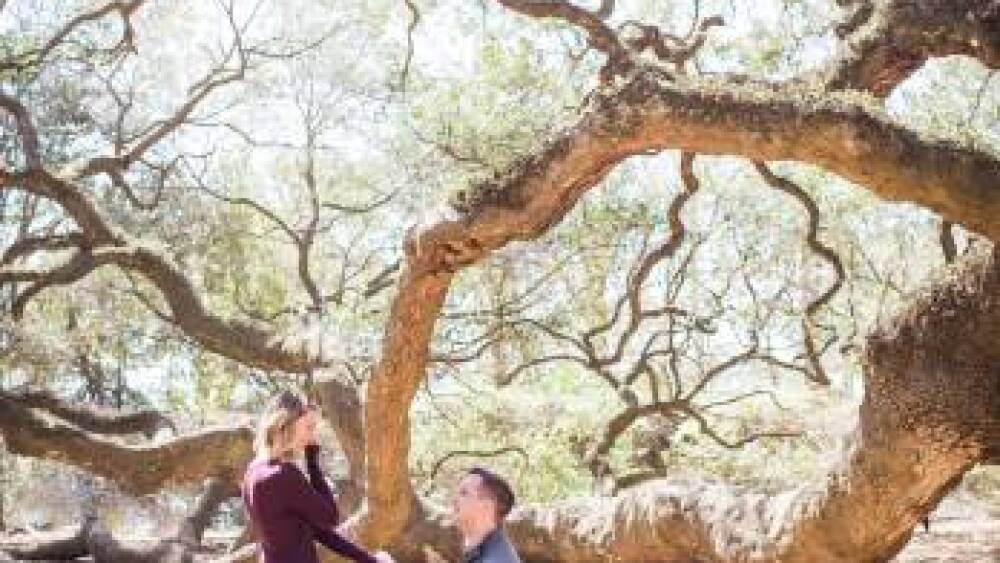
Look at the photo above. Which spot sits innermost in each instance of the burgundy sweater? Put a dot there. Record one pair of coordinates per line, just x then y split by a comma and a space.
288, 514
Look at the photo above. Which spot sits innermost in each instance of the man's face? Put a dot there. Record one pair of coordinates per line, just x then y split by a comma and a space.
471, 505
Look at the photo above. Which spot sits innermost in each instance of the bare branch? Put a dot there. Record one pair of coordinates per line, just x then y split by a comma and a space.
381, 281
669, 48
232, 68
35, 57
707, 429
821, 250
25, 129
625, 419
600, 36
885, 41
30, 245
715, 371
363, 208
436, 467
633, 293
414, 22
76, 268
947, 238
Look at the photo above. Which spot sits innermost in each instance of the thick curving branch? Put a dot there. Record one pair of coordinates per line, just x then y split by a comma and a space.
92, 419
917, 434
138, 470
839, 132
246, 341
885, 41
31, 245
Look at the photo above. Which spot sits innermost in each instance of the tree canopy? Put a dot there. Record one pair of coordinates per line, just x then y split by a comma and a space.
653, 258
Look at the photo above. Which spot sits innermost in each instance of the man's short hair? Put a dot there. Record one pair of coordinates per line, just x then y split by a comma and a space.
498, 489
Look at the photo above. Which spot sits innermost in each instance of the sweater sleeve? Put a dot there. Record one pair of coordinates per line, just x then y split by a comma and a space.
311, 507
317, 479
303, 502
341, 545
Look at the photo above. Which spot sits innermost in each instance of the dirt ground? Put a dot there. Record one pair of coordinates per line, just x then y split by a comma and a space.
962, 530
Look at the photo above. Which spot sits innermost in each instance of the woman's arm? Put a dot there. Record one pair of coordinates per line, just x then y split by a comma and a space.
342, 546
317, 479
299, 499
319, 513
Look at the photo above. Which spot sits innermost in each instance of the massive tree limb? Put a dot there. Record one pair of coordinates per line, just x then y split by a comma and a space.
882, 42
91, 419
100, 242
840, 132
138, 470
918, 432
887, 40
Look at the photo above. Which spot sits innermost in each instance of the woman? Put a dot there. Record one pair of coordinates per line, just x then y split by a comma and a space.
287, 512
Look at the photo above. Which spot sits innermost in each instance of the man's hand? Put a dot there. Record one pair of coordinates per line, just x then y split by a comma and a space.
383, 557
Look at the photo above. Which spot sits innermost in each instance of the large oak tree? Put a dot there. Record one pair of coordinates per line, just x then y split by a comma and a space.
931, 409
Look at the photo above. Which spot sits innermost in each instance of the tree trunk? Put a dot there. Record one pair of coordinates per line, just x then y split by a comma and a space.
930, 412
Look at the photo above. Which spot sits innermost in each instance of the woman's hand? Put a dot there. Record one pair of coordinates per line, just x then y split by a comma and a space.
304, 431
383, 557
347, 531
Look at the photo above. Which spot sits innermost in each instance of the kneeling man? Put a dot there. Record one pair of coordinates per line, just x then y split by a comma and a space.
481, 504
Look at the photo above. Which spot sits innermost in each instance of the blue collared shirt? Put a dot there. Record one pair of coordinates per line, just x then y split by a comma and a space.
495, 548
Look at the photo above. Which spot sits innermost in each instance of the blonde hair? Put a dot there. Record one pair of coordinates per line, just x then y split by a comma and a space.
276, 428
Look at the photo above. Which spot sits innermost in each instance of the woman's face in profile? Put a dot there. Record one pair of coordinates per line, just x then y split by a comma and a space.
305, 429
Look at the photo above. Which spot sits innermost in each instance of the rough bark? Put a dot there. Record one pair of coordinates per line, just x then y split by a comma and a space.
341, 405
888, 40
92, 419
138, 470
389, 394
844, 133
